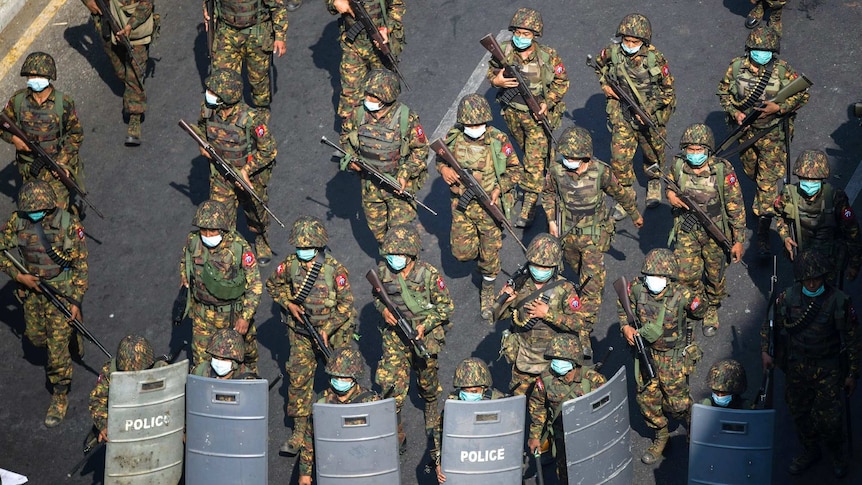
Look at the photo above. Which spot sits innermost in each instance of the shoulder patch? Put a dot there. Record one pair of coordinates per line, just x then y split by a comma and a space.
602, 53
420, 133
695, 303
777, 202
341, 280
629, 288
248, 259
730, 179
440, 283
665, 70
575, 302
540, 385
559, 69
280, 269
260, 130
80, 232
99, 379
508, 150
848, 215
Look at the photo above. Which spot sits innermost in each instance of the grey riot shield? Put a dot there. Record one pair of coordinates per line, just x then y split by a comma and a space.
146, 416
730, 445
226, 430
596, 425
483, 441
357, 443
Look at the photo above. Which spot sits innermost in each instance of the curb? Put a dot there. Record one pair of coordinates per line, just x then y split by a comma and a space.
8, 10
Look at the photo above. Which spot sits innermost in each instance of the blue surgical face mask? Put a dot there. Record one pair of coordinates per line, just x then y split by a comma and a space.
812, 294
561, 367
341, 386
36, 216
306, 254
810, 187
571, 164
541, 274
372, 106
470, 396
211, 241
396, 261
38, 84
722, 401
696, 159
630, 50
760, 57
211, 99
521, 43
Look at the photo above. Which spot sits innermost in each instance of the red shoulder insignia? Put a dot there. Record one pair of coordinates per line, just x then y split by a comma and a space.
777, 202
848, 215
280, 269
507, 149
248, 259
665, 70
440, 283
80, 232
730, 179
540, 385
99, 379
602, 53
695, 303
260, 130
559, 69
420, 133
575, 302
341, 280
794, 76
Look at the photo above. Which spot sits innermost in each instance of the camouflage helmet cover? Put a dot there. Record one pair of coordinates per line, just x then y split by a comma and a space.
134, 353
36, 195
39, 64
226, 84
660, 262
576, 142
227, 343
211, 214
565, 346
727, 376
529, 19
811, 164
635, 25
810, 265
697, 134
308, 232
764, 38
472, 372
544, 250
474, 110
345, 362
383, 84
402, 239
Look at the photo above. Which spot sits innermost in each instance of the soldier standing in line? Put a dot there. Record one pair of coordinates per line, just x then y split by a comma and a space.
50, 241
727, 381
711, 183
662, 305
546, 75
748, 84
817, 347
387, 135
760, 6
487, 153
224, 283
575, 189
240, 135
226, 352
310, 284
49, 118
636, 65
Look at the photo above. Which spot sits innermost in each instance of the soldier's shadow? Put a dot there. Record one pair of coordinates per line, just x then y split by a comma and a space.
87, 42
201, 54
9, 180
344, 194
197, 188
326, 55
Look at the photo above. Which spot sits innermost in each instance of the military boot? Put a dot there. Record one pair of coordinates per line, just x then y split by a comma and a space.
133, 135
763, 223
653, 193
58, 407
294, 443
804, 461
528, 210
710, 321
754, 16
402, 437
486, 300
653, 453
262, 250
293, 5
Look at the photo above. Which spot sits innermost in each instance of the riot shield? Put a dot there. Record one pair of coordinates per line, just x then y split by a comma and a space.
226, 430
730, 445
596, 426
356, 444
146, 416
483, 440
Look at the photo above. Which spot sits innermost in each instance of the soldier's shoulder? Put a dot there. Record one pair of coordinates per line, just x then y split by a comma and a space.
21, 92
550, 51
498, 134
67, 100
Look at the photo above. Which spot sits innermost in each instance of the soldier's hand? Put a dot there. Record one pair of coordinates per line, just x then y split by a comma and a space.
450, 176
533, 444
29, 280
125, 32
403, 182
789, 244
206, 17
740, 117
495, 196
75, 311
304, 480
241, 326
243, 172
543, 109
279, 48
19, 144
205, 153
553, 229
609, 92
94, 9
736, 252
440, 476
507, 289
639, 222
766, 360
500, 81
849, 385
342, 7
354, 166
675, 201
389, 318
769, 108
295, 310
325, 338
629, 333
384, 32
851, 274
103, 435
420, 331
537, 309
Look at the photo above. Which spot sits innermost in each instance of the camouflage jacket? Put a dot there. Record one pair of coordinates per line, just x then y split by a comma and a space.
649, 73
549, 394
662, 317
137, 14
550, 81
65, 142
272, 10
246, 124
742, 75
438, 430
391, 18
492, 159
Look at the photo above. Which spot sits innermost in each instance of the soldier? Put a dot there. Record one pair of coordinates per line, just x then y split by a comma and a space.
575, 190
661, 304
637, 66
817, 347
226, 353
727, 381
50, 241
418, 290
487, 153
240, 135
750, 81
49, 119
710, 182
249, 32
140, 25
760, 6
815, 215
563, 380
224, 283
346, 368
310, 284
387, 135
546, 75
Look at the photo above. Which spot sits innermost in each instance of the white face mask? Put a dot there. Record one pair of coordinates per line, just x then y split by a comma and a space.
221, 367
372, 106
571, 164
211, 241
211, 99
474, 132
655, 284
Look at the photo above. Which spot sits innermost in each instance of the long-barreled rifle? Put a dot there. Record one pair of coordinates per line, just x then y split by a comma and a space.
403, 326
367, 23
114, 25
621, 286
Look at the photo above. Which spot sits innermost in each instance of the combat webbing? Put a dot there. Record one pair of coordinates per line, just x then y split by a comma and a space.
308, 282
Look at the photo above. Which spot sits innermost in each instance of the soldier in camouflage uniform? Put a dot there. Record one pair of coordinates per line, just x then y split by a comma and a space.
346, 368
563, 380
750, 81
487, 153
636, 65
49, 118
760, 6
546, 75
311, 284
575, 191
387, 135
418, 290
815, 215
240, 135
817, 347
140, 26
51, 245
224, 283
250, 32
711, 182
226, 352
727, 381
661, 305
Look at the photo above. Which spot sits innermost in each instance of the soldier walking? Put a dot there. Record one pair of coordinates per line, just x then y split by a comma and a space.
226, 352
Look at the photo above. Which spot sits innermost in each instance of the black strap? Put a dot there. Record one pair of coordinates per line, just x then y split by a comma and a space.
754, 96
308, 283
57, 258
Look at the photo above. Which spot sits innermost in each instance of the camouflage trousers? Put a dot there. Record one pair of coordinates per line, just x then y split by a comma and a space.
383, 209
256, 216
764, 164
475, 234
254, 45
586, 255
668, 393
813, 394
531, 137
522, 382
775, 7
134, 96
357, 60
206, 320
393, 371
45, 326
701, 262
76, 171
625, 140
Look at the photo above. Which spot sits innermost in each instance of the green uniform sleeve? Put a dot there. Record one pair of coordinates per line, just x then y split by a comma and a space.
254, 286
536, 407
624, 195
848, 228
796, 101
73, 134
99, 399
344, 309
440, 299
734, 203
850, 339
726, 90
266, 150
565, 311
665, 95
143, 11
77, 254
560, 84
785, 219
414, 164
278, 11
514, 172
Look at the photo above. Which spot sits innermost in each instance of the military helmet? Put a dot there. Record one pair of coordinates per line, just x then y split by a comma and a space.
544, 250
211, 214
474, 110
565, 346
635, 25
36, 195
345, 362
811, 264
402, 239
576, 142
226, 84
764, 38
697, 134
383, 84
227, 343
660, 262
811, 164
308, 232
39, 64
134, 353
472, 372
727, 376
529, 19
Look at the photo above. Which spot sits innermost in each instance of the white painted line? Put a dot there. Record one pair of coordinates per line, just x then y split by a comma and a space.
855, 183
45, 16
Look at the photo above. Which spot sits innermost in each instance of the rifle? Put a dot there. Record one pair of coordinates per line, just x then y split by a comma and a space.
405, 329
765, 394
381, 177
54, 296
516, 281
473, 190
275, 381
45, 160
315, 336
512, 71
210, 27
626, 97
367, 23
178, 312
227, 170
172, 355
621, 286
115, 27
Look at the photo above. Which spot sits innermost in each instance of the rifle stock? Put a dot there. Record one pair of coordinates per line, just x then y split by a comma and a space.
621, 286
404, 328
358, 7
318, 340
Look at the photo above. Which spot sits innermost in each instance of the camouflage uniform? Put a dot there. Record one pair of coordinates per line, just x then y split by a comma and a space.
647, 76
546, 75
760, 6
225, 344
393, 141
52, 123
63, 266
134, 353
727, 377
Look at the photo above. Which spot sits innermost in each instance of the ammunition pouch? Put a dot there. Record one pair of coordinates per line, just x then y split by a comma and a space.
689, 222
691, 355
505, 96
352, 32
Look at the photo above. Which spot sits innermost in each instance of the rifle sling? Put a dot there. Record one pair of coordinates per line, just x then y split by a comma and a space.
754, 95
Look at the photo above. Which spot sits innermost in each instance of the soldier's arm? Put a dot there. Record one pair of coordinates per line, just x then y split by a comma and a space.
8, 241
796, 101
783, 220
276, 284
624, 196
443, 306
278, 10
549, 195
695, 303
253, 284
78, 255
306, 451
848, 228
10, 112
72, 131
264, 141
735, 204
851, 339
396, 12
780, 317
438, 438
99, 400
142, 12
560, 84
596, 380
536, 408
186, 249
378, 303
725, 96
666, 95
603, 60
343, 301
415, 162
514, 172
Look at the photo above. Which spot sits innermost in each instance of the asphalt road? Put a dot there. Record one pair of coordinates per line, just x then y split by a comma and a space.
149, 194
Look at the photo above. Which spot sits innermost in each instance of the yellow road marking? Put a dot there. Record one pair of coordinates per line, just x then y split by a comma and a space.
45, 16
